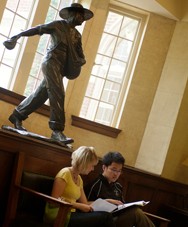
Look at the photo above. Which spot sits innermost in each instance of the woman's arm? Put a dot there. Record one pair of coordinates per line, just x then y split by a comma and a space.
82, 203
58, 187
83, 198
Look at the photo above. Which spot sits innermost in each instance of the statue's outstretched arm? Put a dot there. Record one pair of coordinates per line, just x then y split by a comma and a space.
11, 43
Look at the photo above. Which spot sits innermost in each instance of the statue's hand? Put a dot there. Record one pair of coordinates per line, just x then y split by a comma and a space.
11, 43
15, 37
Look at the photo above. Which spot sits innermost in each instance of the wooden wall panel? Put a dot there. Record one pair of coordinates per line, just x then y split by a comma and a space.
6, 167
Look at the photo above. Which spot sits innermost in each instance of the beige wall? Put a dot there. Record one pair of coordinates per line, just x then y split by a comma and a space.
144, 85
177, 64
149, 69
177, 152
175, 7
3, 3
185, 11
35, 123
164, 145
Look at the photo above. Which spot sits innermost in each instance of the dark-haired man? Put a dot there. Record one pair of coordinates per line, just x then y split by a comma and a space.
107, 187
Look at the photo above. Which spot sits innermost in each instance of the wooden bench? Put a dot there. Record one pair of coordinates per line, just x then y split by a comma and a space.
158, 221
178, 217
28, 194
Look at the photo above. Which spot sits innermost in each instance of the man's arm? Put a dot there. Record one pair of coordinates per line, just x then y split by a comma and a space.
91, 190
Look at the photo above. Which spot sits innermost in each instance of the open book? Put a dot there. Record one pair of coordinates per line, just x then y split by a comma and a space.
103, 205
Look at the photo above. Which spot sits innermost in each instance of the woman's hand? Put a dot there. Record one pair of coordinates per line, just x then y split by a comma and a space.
83, 207
86, 208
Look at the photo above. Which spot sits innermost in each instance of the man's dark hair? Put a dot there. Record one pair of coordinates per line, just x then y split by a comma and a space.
113, 156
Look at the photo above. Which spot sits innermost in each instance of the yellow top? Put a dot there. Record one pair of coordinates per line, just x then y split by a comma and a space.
72, 191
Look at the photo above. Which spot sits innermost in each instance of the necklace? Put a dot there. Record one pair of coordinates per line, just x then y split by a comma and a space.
74, 176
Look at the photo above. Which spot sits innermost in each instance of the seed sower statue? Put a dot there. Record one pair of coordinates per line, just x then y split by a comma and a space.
64, 58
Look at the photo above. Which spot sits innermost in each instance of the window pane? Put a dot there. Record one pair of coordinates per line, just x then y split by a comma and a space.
111, 92
113, 23
6, 22
10, 57
15, 18
5, 75
12, 4
38, 82
43, 43
55, 3
116, 71
101, 66
36, 64
52, 14
104, 113
65, 3
2, 48
89, 108
123, 49
95, 87
19, 25
40, 75
30, 86
107, 45
24, 8
129, 28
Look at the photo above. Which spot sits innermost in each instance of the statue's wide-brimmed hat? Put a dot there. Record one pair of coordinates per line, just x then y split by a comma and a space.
65, 12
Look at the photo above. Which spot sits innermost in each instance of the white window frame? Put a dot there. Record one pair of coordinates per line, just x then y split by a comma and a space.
20, 46
131, 64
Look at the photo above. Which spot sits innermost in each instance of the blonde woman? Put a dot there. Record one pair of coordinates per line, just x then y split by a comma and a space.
68, 186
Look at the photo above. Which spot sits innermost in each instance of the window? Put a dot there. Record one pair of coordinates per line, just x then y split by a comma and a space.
16, 17
111, 72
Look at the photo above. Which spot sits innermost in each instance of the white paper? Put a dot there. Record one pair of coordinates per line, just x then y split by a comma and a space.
138, 203
103, 205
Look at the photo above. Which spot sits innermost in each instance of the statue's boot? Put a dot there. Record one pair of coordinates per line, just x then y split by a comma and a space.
17, 122
60, 137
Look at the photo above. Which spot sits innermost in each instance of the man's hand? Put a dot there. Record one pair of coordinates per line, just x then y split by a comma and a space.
114, 201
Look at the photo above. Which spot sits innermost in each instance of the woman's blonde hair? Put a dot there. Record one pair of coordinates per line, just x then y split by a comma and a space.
82, 157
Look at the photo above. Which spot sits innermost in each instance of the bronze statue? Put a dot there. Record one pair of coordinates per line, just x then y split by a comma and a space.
64, 58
